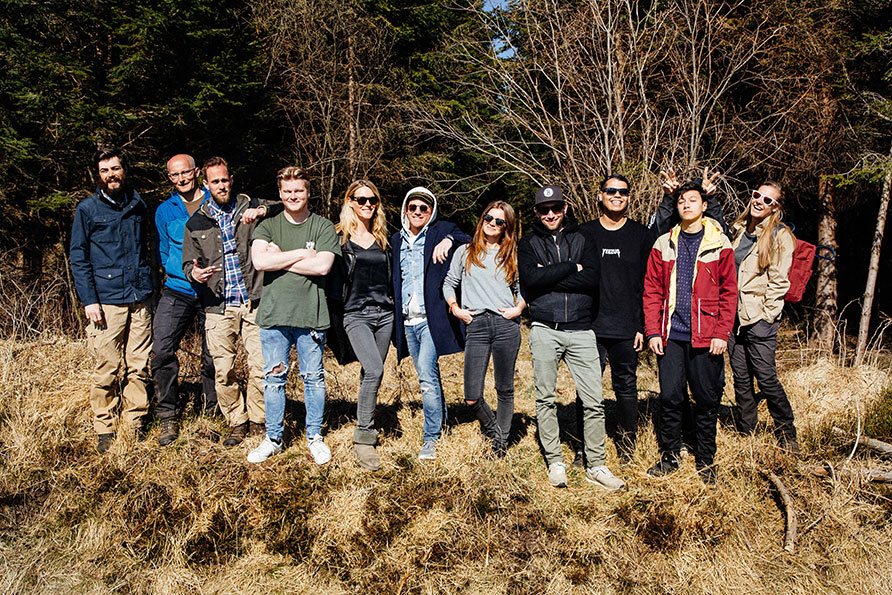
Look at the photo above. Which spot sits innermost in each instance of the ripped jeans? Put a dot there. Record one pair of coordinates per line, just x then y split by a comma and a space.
276, 344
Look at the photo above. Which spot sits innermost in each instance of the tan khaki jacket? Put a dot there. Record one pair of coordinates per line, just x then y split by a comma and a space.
761, 292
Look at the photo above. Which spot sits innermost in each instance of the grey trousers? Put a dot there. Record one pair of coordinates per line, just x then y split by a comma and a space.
579, 349
369, 331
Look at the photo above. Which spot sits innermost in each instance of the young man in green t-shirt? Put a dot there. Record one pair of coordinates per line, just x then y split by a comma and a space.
295, 249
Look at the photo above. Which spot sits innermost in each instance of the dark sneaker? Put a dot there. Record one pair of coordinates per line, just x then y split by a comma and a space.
667, 464
236, 435
256, 429
789, 444
499, 449
170, 431
708, 474
140, 433
579, 460
105, 442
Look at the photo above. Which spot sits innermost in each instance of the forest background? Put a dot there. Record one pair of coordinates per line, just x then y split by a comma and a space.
478, 100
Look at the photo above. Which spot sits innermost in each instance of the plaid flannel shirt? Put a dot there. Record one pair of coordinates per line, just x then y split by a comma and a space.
235, 290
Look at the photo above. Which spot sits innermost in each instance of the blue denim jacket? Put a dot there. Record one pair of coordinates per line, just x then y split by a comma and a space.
412, 270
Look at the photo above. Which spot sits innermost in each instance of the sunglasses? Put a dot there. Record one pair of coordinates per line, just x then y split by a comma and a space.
362, 200
766, 200
554, 208
416, 207
620, 191
489, 219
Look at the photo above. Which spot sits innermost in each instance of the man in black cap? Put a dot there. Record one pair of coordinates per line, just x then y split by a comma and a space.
558, 277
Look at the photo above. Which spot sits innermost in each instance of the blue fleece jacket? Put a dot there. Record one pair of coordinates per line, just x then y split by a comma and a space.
170, 221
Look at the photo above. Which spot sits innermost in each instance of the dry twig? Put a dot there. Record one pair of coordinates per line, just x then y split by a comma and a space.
876, 445
792, 522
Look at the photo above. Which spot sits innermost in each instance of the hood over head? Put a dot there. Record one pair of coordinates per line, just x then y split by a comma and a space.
425, 195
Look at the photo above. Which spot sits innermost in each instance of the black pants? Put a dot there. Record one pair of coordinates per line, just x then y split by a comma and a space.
679, 365
174, 316
492, 334
624, 377
752, 350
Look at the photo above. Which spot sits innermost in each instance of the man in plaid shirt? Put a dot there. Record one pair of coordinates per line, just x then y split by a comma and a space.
216, 255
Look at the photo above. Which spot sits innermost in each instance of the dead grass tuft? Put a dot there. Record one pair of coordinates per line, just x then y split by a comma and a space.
197, 518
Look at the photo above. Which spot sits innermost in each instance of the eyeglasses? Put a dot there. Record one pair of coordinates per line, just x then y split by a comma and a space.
362, 200
766, 200
489, 219
416, 207
185, 174
556, 208
620, 191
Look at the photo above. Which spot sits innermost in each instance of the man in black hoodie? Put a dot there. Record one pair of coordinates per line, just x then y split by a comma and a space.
558, 276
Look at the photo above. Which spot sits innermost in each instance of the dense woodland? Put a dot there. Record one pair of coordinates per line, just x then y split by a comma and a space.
475, 99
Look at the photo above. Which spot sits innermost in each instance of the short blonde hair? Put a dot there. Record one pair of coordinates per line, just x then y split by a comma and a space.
292, 172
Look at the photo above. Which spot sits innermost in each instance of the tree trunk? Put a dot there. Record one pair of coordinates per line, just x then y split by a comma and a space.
826, 296
873, 268
353, 112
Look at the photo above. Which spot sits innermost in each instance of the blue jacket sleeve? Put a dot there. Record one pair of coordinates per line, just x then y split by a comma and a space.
163, 239
79, 254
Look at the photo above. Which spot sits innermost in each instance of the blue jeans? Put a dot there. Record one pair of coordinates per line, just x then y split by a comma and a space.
424, 354
276, 343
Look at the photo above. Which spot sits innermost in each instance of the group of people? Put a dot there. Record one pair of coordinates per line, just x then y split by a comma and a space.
274, 275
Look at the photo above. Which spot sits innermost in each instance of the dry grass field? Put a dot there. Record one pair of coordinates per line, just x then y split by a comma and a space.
197, 518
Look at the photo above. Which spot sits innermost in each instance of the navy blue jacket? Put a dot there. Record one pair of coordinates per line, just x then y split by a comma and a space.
109, 252
447, 331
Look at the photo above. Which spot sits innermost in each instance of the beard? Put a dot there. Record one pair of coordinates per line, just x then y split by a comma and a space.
115, 193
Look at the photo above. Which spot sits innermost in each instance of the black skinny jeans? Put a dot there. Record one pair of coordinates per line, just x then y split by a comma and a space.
752, 350
624, 377
174, 316
492, 334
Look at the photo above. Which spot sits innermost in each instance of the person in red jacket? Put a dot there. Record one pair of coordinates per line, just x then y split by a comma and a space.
690, 299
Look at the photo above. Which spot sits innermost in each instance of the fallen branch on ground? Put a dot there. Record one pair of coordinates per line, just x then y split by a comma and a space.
876, 445
872, 475
792, 522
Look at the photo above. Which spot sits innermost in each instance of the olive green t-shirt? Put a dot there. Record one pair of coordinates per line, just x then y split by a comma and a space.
291, 299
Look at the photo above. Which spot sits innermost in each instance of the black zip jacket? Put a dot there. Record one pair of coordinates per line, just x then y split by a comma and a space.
559, 295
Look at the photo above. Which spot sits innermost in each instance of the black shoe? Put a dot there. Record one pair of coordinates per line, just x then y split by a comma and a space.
140, 433
105, 442
170, 431
499, 449
708, 474
667, 464
579, 460
256, 429
789, 444
236, 435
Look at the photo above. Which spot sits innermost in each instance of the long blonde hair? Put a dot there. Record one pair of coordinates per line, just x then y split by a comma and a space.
348, 221
766, 242
506, 259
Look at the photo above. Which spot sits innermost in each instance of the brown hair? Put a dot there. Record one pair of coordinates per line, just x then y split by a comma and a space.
213, 162
506, 259
766, 242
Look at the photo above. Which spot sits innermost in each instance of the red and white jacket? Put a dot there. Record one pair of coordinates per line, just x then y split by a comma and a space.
714, 291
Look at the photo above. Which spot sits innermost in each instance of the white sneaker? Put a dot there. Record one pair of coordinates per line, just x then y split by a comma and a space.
266, 449
319, 450
602, 476
557, 475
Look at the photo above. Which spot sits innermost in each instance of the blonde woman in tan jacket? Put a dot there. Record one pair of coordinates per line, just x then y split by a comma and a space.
763, 252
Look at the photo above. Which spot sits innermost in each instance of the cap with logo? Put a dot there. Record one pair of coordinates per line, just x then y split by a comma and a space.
547, 194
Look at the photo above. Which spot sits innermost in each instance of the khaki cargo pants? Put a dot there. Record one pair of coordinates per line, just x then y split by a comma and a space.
223, 332
124, 342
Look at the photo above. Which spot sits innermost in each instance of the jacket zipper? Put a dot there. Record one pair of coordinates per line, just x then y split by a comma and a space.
566, 299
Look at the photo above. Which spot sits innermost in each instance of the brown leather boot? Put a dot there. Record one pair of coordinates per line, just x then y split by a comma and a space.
170, 431
236, 435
